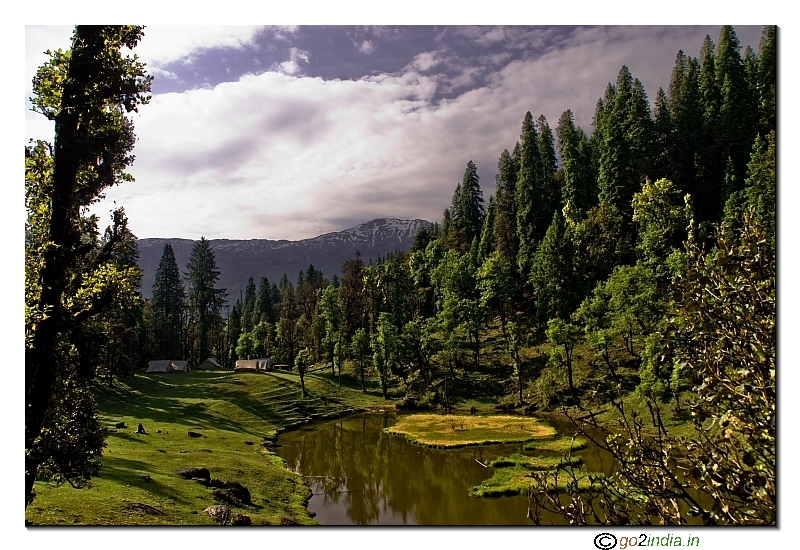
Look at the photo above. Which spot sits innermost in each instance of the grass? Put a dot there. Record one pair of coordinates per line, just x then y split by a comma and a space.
532, 462
450, 431
560, 445
517, 480
233, 412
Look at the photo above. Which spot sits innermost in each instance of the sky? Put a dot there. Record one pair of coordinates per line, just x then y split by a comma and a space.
287, 132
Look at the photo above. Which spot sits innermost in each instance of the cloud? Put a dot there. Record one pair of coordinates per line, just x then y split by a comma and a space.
292, 66
281, 155
366, 47
166, 44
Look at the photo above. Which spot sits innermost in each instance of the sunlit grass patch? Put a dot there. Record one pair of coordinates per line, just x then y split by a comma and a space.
518, 479
448, 431
560, 445
532, 462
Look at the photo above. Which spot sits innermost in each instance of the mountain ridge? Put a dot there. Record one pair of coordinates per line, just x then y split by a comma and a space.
239, 259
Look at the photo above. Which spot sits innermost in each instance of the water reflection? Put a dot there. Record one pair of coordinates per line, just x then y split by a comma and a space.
362, 476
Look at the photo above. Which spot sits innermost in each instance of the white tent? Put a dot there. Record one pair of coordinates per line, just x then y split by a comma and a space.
265, 363
180, 366
246, 365
209, 364
159, 366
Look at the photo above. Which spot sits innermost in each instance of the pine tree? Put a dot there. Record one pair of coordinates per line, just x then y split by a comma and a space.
205, 300
264, 310
168, 305
767, 79
468, 210
579, 191
487, 243
530, 226
505, 225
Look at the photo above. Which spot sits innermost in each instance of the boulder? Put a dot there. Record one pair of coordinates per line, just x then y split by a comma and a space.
195, 434
232, 489
219, 512
241, 519
189, 473
119, 425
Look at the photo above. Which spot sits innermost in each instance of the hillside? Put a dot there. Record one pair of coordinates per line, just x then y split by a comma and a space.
237, 260
236, 414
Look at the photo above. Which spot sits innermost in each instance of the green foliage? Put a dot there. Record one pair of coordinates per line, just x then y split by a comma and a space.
663, 220
71, 274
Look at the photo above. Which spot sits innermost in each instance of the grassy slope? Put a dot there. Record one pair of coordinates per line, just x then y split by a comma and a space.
229, 409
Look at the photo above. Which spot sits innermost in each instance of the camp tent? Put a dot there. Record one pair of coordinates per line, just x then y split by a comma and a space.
246, 365
167, 366
180, 366
159, 366
264, 363
209, 364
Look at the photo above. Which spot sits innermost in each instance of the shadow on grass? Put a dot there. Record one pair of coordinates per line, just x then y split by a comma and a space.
127, 472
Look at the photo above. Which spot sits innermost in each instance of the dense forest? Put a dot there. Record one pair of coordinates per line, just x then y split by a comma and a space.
637, 256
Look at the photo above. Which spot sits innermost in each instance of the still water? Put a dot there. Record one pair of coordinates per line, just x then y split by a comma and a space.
361, 475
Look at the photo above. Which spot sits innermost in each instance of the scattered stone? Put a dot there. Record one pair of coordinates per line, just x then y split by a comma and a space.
120, 425
184, 452
158, 431
161, 451
145, 509
195, 434
145, 477
219, 512
226, 496
140, 429
204, 451
241, 519
202, 480
248, 442
288, 521
236, 489
189, 473
408, 403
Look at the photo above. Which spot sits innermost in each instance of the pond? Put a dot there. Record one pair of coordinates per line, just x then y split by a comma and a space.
360, 475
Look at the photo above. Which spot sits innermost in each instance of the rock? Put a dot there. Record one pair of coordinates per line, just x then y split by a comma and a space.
287, 521
225, 495
241, 519
195, 434
158, 431
219, 512
145, 509
202, 480
189, 473
119, 425
145, 477
408, 403
234, 489
248, 442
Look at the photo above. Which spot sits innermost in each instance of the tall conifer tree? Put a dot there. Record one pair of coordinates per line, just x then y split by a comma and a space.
168, 304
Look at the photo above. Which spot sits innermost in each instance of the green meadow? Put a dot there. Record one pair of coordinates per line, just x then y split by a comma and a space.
234, 414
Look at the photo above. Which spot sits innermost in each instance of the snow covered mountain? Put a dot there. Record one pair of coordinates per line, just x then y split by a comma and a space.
238, 260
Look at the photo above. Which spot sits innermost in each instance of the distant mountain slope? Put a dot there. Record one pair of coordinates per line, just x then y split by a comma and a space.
238, 260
